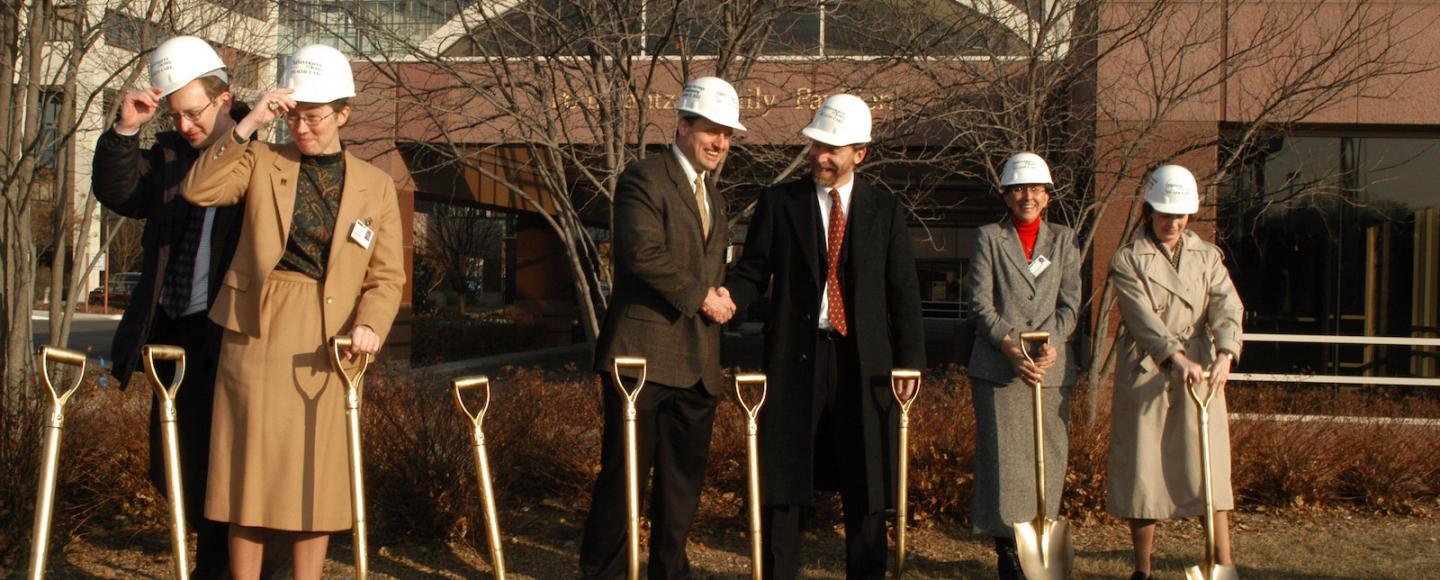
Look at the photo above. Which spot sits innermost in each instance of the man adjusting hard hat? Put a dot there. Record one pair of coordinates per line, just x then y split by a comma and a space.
186, 252
670, 239
845, 306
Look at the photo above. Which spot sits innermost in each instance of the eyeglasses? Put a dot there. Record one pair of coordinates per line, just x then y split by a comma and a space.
194, 116
309, 120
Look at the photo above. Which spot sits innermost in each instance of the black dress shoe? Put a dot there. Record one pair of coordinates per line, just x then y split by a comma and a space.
1007, 560
1141, 576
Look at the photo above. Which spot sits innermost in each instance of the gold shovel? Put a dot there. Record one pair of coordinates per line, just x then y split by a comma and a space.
353, 388
166, 399
897, 378
1212, 569
50, 453
632, 456
482, 465
1043, 544
752, 452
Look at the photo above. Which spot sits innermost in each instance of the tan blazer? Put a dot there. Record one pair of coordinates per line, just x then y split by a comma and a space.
1154, 458
362, 285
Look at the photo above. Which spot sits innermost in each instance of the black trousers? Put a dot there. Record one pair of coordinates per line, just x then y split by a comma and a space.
193, 409
839, 444
673, 428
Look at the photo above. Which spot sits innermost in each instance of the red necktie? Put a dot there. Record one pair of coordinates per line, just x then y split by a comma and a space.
832, 280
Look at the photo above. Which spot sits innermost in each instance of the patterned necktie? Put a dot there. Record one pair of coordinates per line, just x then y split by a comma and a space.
832, 280
704, 208
180, 271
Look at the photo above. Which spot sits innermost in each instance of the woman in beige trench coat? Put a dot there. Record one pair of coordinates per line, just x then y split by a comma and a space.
1181, 317
319, 255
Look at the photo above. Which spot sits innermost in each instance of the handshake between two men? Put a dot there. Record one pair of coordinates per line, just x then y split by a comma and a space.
718, 307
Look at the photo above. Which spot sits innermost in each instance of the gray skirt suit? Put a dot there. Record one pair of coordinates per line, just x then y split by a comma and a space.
1010, 299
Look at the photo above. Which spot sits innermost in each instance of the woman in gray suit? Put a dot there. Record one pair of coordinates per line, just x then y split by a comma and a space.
1025, 276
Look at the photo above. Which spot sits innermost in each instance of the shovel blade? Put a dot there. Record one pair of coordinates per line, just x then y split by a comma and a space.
1045, 550
1217, 572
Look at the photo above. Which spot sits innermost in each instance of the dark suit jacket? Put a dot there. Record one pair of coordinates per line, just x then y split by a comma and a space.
145, 184
664, 266
784, 253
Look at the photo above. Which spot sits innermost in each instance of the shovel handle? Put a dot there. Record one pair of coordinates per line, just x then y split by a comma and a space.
153, 352
749, 380
463, 384
340, 345
630, 362
898, 376
64, 357
1203, 402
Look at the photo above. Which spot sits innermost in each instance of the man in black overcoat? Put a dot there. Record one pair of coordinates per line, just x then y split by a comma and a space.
186, 251
835, 254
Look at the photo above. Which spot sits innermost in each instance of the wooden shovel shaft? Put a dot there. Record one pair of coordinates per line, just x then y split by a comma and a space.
632, 457
1040, 509
492, 516
50, 452
169, 428
752, 452
903, 485
357, 480
178, 534
45, 499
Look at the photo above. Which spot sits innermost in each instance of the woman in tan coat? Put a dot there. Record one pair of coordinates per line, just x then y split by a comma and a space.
1181, 318
319, 256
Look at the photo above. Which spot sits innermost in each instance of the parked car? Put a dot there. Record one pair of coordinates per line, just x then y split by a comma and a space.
122, 285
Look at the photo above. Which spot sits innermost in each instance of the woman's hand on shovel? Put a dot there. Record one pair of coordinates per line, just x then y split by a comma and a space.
363, 340
1190, 371
1220, 370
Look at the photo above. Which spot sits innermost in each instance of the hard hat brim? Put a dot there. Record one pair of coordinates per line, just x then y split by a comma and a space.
1181, 208
828, 138
731, 123
319, 97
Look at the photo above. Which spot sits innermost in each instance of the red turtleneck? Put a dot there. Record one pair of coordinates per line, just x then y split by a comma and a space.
1028, 233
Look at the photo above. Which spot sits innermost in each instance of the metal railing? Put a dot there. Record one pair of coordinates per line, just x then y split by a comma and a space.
1339, 379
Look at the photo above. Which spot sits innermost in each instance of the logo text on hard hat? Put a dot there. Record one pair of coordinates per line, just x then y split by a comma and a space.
832, 113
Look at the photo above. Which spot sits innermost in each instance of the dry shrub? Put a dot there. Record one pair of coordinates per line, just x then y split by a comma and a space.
541, 438
542, 434
942, 447
102, 481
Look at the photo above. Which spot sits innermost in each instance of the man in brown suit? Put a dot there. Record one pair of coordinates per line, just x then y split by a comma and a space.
669, 252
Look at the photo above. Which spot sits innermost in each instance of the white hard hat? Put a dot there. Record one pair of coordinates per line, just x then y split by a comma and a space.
1172, 189
319, 74
182, 59
1025, 168
712, 98
841, 120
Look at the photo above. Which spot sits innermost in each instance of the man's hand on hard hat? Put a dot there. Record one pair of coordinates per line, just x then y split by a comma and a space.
137, 109
271, 106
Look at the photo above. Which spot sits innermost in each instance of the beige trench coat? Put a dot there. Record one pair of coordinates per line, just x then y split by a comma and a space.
1154, 466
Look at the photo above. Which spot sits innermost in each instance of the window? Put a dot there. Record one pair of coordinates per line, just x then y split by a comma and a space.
52, 103
245, 68
1337, 235
253, 8
130, 33
787, 28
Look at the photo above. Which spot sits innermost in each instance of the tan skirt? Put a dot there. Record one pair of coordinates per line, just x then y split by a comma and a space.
278, 454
